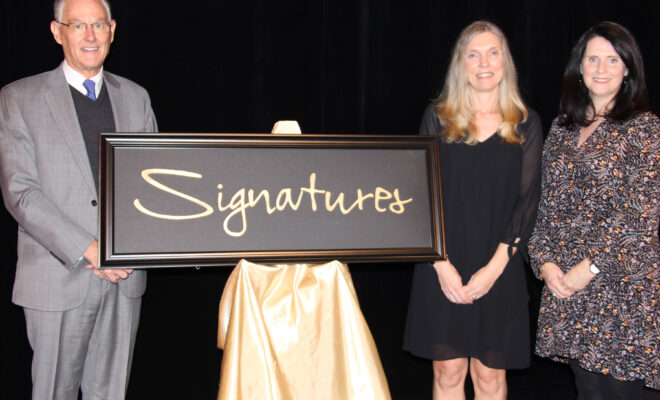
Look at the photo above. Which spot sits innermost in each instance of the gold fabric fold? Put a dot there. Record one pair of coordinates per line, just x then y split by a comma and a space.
296, 332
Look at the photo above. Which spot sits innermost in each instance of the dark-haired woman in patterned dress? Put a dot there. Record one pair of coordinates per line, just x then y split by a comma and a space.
596, 238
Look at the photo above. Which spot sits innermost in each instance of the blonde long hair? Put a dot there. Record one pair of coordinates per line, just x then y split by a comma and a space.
455, 109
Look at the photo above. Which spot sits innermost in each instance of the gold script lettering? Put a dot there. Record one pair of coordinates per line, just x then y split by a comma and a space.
359, 202
381, 194
397, 207
146, 175
312, 190
245, 198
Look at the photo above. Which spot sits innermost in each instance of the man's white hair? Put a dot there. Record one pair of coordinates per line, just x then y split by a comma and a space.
58, 6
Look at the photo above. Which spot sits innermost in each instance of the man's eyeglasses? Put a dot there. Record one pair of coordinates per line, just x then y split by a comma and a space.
81, 27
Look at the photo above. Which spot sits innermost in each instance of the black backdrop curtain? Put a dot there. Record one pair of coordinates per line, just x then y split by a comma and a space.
340, 66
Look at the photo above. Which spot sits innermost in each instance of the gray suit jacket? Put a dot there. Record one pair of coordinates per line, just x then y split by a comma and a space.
47, 185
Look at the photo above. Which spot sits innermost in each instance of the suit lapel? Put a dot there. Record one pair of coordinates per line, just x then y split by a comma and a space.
59, 100
119, 108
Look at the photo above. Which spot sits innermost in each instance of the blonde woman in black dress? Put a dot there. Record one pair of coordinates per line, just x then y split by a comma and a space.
469, 312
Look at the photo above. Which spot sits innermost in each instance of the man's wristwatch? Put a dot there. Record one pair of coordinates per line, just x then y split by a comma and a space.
594, 269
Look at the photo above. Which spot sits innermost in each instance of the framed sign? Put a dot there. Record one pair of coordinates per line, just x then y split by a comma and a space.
171, 200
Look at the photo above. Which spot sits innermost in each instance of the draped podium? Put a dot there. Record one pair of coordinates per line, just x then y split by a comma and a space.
296, 332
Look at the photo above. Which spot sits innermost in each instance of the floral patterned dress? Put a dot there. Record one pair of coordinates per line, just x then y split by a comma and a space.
601, 200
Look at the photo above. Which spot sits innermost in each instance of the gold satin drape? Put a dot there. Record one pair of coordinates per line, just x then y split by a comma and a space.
296, 332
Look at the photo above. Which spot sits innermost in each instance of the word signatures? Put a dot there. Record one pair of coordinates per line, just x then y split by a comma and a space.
382, 200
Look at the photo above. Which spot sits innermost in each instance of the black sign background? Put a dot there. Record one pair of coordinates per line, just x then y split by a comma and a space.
227, 164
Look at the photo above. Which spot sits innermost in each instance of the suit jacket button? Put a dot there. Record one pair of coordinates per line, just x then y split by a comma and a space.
94, 203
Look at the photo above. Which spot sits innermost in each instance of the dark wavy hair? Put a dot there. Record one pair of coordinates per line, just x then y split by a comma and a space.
631, 98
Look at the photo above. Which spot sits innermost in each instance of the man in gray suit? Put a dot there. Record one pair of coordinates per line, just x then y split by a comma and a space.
81, 320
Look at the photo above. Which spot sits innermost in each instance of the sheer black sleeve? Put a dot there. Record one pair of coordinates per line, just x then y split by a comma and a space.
430, 122
524, 214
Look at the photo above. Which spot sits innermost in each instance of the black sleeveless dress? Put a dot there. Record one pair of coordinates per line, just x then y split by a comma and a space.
490, 194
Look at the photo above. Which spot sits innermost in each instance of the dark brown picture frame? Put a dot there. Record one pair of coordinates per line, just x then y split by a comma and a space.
152, 238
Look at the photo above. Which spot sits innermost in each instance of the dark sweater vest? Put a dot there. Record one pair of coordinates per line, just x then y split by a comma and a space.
94, 116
